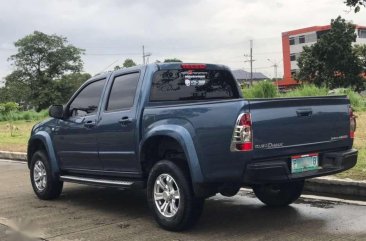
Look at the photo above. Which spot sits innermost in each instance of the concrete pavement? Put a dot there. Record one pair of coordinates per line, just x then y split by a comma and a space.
90, 213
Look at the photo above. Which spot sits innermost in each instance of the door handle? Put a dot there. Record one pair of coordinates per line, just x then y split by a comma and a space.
304, 112
125, 120
90, 123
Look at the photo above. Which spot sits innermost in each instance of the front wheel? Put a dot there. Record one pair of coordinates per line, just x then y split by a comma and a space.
45, 186
170, 197
278, 195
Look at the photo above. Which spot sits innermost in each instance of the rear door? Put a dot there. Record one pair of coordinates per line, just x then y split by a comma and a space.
117, 126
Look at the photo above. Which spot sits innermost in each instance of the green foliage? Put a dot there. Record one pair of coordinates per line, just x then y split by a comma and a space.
30, 115
331, 61
306, 90
264, 89
360, 51
40, 60
65, 87
356, 4
7, 111
16, 89
172, 60
357, 101
128, 63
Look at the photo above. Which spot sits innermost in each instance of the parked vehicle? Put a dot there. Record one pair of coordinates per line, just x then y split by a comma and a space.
185, 133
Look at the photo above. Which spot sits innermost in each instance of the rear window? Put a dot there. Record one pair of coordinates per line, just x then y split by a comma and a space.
185, 85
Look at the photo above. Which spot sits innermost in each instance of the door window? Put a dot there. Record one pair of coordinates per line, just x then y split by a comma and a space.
87, 101
122, 92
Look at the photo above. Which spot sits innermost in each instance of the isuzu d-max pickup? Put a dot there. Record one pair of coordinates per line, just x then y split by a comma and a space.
184, 132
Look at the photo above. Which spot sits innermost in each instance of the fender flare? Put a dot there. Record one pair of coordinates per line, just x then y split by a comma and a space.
45, 138
184, 138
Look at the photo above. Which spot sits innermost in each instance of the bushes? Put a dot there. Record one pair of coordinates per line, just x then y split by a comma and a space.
267, 89
357, 101
306, 90
264, 89
26, 115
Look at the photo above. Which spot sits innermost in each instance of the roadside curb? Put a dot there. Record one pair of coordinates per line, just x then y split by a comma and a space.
320, 185
18, 156
336, 186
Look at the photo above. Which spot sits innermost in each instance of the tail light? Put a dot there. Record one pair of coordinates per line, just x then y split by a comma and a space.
352, 123
242, 139
193, 66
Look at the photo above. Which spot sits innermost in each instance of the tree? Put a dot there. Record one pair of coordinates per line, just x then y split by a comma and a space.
128, 63
16, 89
65, 87
356, 4
41, 59
360, 51
331, 61
172, 60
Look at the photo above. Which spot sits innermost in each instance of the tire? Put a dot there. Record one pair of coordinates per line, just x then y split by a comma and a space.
46, 187
279, 195
180, 213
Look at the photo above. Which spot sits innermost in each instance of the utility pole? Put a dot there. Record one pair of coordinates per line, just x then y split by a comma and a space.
144, 55
251, 60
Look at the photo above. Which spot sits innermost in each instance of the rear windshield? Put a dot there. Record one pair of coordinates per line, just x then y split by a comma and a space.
184, 85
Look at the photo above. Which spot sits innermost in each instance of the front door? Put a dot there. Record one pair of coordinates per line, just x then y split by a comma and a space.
75, 138
117, 127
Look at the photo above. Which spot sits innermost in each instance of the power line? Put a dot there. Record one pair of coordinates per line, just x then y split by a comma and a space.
111, 54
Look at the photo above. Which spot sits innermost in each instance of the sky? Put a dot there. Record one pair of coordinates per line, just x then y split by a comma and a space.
198, 31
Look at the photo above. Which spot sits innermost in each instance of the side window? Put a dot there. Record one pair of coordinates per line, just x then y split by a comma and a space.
87, 101
123, 92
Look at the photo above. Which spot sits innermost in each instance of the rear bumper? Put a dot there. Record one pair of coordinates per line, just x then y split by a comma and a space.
279, 170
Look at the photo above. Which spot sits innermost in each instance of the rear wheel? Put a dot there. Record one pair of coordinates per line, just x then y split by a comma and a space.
45, 186
278, 195
170, 197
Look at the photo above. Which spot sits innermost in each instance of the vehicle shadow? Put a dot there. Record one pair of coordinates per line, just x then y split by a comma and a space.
238, 215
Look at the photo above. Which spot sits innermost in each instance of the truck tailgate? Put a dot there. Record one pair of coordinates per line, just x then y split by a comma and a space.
288, 126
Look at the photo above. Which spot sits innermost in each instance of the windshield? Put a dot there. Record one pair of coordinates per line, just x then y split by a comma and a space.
181, 85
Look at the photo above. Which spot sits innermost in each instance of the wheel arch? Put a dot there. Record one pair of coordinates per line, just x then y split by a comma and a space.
42, 141
172, 136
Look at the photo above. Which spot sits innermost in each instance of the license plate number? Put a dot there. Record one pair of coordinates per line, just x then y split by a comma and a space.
303, 163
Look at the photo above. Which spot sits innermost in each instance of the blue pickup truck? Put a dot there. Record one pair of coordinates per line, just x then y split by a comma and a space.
185, 133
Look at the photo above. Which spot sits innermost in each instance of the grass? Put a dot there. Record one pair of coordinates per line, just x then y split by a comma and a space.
19, 143
359, 171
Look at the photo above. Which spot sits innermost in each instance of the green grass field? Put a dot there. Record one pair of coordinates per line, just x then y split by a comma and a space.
18, 142
359, 171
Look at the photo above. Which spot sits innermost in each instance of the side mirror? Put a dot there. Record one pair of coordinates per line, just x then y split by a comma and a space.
56, 111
